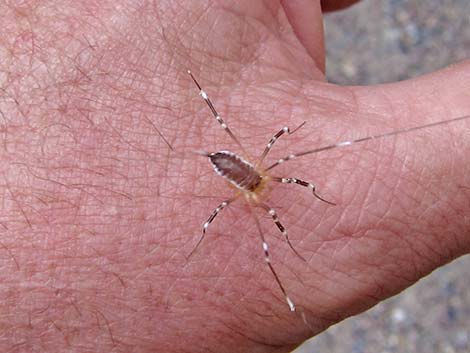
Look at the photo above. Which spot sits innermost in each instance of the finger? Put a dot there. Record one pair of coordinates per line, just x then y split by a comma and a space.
306, 20
333, 5
289, 40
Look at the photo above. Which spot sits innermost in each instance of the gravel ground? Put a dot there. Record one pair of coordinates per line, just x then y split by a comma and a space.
384, 41
380, 41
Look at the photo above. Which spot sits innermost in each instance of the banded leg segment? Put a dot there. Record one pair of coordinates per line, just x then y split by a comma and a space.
271, 142
267, 259
209, 221
217, 117
364, 139
272, 212
304, 184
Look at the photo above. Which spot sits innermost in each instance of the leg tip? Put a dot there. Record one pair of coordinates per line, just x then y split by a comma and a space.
290, 303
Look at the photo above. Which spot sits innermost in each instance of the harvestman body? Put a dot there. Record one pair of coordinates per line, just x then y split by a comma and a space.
250, 180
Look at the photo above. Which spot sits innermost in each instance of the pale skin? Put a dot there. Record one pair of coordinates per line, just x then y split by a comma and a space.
97, 215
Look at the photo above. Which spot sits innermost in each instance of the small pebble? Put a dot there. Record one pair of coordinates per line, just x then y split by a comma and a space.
399, 315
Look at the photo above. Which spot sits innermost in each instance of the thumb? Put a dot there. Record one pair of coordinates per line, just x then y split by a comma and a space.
403, 205
438, 96
439, 157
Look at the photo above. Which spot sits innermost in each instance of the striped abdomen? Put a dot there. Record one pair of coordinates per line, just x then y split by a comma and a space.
235, 169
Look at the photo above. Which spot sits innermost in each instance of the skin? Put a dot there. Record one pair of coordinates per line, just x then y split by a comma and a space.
98, 214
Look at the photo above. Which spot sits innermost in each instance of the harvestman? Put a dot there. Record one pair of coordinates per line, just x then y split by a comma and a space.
250, 179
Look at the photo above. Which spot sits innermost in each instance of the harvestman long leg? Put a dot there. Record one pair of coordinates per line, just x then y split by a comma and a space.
271, 142
209, 221
363, 139
272, 212
267, 259
217, 117
344, 144
304, 184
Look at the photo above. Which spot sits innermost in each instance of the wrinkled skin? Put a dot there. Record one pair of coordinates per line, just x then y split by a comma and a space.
98, 215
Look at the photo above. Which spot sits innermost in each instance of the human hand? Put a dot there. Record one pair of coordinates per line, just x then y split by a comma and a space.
99, 215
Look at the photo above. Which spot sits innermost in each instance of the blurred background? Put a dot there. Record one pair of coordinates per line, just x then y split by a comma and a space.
378, 41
